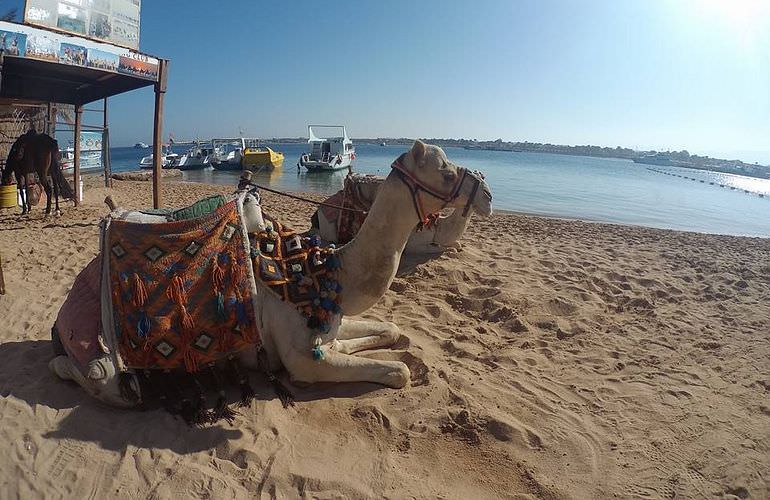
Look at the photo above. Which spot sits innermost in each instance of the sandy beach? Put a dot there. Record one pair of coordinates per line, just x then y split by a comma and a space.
549, 359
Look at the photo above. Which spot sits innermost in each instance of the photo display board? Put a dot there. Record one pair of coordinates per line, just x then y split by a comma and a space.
18, 40
113, 21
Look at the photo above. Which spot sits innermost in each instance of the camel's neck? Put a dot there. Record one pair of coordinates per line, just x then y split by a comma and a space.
370, 261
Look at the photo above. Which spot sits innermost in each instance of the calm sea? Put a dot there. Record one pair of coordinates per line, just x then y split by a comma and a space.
597, 189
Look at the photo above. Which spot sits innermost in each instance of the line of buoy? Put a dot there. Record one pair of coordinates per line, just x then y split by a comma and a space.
711, 183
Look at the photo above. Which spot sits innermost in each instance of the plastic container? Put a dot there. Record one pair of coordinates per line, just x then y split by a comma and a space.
8, 196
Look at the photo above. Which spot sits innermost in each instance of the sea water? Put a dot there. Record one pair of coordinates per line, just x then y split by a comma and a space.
578, 187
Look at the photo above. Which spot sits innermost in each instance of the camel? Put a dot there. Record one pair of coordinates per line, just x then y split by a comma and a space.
36, 153
440, 235
422, 181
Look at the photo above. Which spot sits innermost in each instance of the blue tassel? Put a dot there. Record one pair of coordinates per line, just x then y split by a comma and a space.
143, 325
220, 304
318, 353
240, 311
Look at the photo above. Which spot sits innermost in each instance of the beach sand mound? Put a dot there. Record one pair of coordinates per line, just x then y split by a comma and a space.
549, 358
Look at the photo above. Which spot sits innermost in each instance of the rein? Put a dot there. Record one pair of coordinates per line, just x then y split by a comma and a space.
308, 200
415, 185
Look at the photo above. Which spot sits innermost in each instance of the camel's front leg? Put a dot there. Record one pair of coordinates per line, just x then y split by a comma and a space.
338, 367
355, 335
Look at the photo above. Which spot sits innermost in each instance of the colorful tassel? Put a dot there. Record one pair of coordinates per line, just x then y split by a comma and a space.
143, 325
217, 274
318, 353
139, 297
176, 293
240, 312
220, 306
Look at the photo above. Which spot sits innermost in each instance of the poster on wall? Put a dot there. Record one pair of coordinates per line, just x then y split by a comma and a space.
26, 41
13, 44
114, 21
90, 150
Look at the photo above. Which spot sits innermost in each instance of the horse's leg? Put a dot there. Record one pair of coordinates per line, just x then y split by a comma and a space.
56, 195
25, 195
48, 193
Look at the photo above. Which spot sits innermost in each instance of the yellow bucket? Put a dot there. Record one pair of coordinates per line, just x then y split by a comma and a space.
8, 197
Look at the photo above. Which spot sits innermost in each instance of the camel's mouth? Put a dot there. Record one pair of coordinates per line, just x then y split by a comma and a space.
482, 202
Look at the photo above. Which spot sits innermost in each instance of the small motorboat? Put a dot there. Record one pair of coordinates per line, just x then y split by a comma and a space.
261, 157
196, 158
166, 159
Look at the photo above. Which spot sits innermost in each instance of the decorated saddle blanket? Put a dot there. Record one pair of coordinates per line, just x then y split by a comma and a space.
181, 291
349, 222
299, 271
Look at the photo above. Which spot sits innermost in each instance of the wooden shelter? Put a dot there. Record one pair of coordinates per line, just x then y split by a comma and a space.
45, 67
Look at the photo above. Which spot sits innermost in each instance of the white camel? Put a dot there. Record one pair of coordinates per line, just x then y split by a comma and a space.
441, 235
422, 181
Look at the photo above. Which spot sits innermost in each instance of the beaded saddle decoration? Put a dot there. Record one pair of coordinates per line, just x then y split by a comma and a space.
299, 270
180, 291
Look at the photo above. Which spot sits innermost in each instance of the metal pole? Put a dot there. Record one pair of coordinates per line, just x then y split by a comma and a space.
157, 131
106, 160
78, 119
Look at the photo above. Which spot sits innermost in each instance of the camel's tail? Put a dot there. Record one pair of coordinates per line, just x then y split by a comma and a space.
65, 190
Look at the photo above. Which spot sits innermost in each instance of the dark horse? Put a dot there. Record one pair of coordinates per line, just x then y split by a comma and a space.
38, 153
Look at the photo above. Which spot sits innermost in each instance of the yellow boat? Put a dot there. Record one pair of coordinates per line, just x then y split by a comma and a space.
261, 157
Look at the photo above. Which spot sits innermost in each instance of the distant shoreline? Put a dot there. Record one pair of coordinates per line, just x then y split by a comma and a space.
681, 159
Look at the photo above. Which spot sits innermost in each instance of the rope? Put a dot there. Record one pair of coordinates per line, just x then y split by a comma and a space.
321, 203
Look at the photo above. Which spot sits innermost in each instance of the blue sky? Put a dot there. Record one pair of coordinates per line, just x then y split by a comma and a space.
657, 74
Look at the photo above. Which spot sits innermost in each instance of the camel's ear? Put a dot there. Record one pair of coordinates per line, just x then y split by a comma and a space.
418, 151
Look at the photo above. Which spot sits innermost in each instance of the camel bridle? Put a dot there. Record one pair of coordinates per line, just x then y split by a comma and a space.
416, 186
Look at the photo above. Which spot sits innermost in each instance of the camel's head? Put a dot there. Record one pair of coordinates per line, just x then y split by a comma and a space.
442, 183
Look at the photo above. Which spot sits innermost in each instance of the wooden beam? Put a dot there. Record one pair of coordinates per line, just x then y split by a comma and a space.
78, 128
157, 132
2, 279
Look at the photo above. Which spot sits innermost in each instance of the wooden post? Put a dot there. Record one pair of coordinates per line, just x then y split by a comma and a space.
78, 127
2, 279
157, 131
50, 120
106, 160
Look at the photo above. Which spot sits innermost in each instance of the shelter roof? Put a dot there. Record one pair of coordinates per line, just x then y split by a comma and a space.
49, 66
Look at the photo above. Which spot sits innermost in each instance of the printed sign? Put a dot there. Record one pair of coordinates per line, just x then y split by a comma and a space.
114, 21
90, 150
17, 40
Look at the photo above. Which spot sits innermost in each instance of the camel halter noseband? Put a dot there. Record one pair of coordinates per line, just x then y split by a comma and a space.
415, 185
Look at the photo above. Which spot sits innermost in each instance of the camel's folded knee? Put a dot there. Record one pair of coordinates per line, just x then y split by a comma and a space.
102, 381
398, 377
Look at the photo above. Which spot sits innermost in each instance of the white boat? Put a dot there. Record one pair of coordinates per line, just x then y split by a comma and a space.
141, 145
166, 159
67, 159
328, 153
196, 158
229, 154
